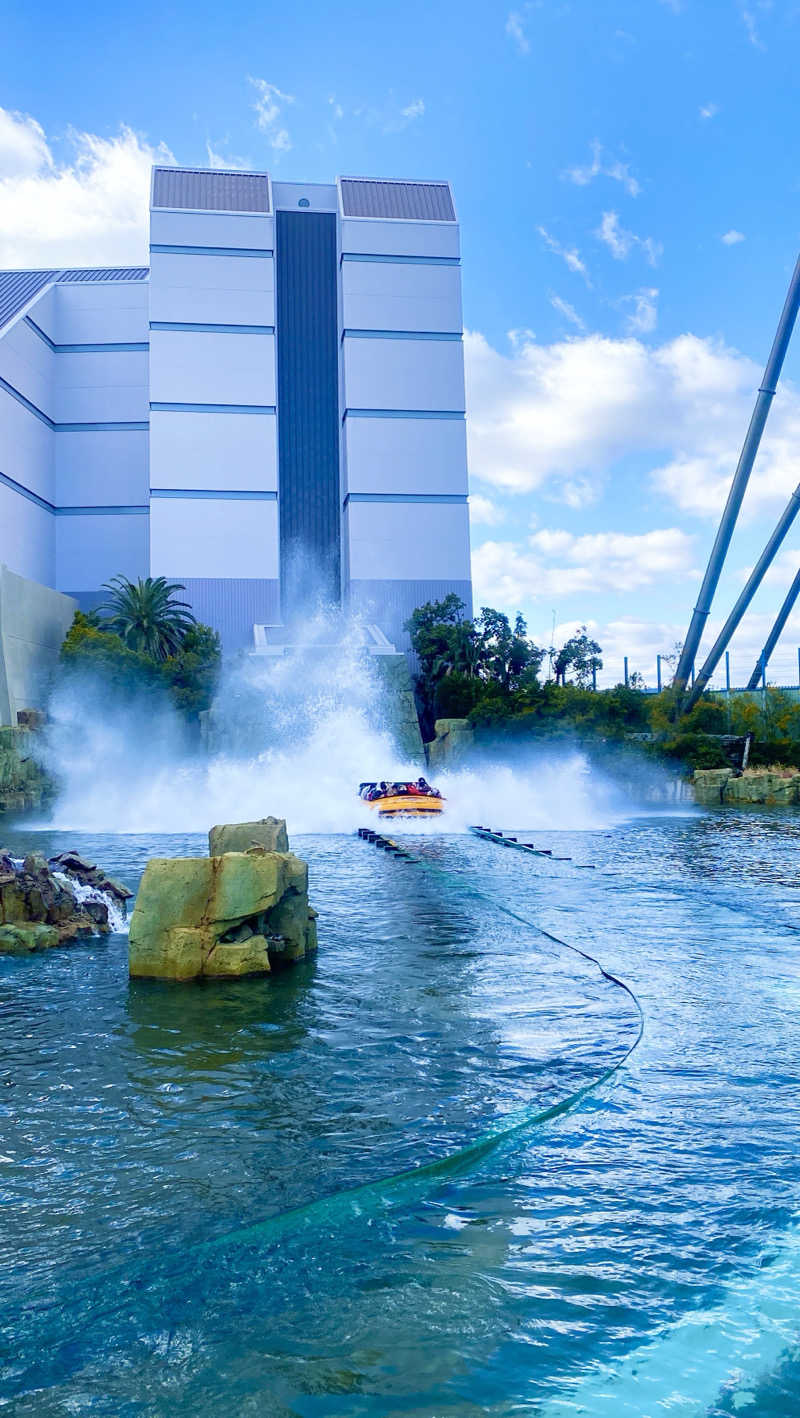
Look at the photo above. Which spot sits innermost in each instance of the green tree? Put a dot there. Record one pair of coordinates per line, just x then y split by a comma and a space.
506, 655
580, 654
147, 615
189, 677
193, 673
88, 648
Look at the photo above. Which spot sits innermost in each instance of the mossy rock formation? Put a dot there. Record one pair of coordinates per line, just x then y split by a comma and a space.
228, 915
773, 787
268, 832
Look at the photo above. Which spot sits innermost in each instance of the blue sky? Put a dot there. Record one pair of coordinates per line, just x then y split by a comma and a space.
627, 184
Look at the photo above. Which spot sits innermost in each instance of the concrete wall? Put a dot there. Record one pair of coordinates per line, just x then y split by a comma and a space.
33, 622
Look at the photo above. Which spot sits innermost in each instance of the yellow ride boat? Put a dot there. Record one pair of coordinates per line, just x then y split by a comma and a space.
402, 799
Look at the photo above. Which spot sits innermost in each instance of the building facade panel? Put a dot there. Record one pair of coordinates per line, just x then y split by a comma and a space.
207, 367
406, 455
212, 229
27, 540
212, 289
397, 295
92, 313
397, 238
93, 547
26, 363
408, 541
213, 451
102, 467
26, 448
214, 537
404, 374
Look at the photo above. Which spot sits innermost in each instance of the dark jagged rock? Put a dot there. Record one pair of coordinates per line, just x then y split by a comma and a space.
40, 907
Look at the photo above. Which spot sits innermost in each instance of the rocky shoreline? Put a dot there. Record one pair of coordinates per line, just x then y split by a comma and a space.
769, 787
56, 902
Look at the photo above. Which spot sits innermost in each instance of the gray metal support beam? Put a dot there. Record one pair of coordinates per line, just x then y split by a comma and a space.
753, 582
741, 477
775, 633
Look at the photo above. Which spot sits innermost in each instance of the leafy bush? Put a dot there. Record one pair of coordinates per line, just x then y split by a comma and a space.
695, 750
189, 677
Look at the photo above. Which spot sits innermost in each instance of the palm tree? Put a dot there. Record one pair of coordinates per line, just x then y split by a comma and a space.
146, 614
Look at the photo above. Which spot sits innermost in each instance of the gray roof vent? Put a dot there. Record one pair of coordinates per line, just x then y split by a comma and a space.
202, 189
402, 201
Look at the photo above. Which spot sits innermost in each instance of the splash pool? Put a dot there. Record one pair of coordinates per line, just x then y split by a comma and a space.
635, 1256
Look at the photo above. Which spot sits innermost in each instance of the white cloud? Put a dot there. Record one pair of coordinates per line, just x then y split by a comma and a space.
569, 254
483, 512
642, 640
732, 237
223, 162
643, 319
601, 166
558, 563
515, 29
568, 311
87, 209
621, 242
413, 110
751, 27
559, 416
708, 110
23, 146
391, 117
268, 108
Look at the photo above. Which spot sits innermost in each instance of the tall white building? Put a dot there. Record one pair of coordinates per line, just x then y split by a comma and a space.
276, 402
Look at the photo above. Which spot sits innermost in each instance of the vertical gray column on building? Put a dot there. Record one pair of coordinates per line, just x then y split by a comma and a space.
308, 409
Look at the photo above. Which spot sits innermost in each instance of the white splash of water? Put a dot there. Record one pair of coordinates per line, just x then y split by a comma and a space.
294, 735
117, 919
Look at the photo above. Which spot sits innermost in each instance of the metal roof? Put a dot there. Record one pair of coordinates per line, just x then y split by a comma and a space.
210, 190
19, 287
102, 273
409, 201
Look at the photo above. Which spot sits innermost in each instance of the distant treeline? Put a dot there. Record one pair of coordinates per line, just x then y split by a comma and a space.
489, 671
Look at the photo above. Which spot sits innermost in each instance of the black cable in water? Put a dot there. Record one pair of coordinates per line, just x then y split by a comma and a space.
388, 1190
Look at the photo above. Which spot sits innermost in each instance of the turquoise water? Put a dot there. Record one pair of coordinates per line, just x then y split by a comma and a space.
637, 1256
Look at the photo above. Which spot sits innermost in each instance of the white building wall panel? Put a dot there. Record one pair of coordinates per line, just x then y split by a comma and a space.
27, 541
94, 313
213, 451
102, 468
211, 537
26, 448
397, 238
404, 374
408, 541
27, 364
245, 230
387, 295
219, 290
44, 312
201, 367
101, 387
406, 456
93, 548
